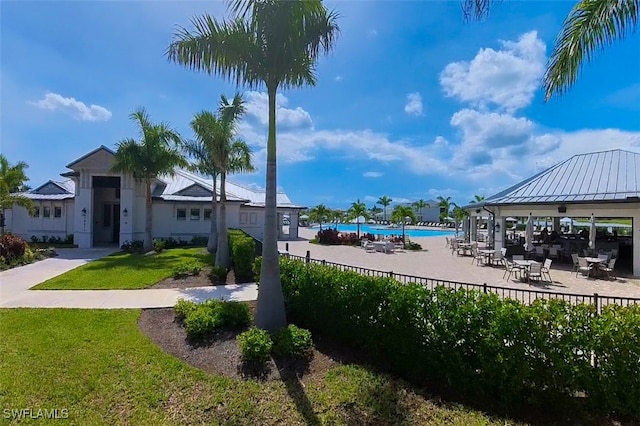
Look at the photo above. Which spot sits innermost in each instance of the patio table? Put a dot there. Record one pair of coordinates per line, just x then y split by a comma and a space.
525, 265
596, 262
488, 255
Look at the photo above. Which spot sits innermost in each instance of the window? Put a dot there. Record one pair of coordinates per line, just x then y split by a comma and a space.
57, 211
46, 212
253, 218
106, 215
243, 218
207, 214
181, 214
195, 214
35, 212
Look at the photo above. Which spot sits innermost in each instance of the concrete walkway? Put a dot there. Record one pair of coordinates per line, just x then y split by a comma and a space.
15, 284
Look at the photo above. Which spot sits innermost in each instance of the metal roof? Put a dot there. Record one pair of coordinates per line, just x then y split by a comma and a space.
605, 176
89, 154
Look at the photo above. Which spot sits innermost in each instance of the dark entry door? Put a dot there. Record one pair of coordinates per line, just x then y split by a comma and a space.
116, 224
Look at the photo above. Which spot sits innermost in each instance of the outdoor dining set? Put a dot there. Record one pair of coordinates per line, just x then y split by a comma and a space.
523, 267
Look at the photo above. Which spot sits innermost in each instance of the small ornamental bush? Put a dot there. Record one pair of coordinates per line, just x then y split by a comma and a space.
203, 320
257, 264
183, 308
12, 247
186, 269
413, 246
199, 241
159, 246
218, 274
293, 341
243, 253
255, 346
234, 314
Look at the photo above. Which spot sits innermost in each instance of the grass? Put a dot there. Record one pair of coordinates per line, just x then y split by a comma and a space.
97, 365
126, 271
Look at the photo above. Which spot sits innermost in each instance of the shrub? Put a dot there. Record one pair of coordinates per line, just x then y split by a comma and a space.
255, 346
136, 246
234, 314
243, 252
218, 274
293, 341
185, 269
34, 239
68, 239
159, 246
183, 308
199, 241
202, 320
12, 247
412, 246
500, 351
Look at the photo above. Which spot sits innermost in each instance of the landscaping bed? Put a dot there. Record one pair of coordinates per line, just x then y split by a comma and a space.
200, 280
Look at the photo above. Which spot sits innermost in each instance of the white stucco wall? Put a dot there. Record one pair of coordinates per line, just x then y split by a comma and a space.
20, 222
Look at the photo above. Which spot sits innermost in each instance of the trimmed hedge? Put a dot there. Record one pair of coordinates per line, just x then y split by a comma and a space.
477, 344
243, 253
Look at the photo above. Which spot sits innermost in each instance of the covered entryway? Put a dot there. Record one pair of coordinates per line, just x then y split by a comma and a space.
106, 211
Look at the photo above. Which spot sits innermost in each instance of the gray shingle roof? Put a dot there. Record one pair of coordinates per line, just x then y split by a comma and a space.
603, 176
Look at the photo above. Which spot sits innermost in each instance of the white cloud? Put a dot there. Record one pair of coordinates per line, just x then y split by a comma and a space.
506, 78
414, 104
257, 105
54, 101
372, 174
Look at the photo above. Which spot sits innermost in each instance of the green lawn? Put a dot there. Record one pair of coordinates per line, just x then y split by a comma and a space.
98, 366
126, 271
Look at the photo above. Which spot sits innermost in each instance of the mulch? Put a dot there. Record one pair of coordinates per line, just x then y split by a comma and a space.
220, 354
200, 280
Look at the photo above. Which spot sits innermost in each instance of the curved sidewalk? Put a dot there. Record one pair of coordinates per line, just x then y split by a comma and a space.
15, 284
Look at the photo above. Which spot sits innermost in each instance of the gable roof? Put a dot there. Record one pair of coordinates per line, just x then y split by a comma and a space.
89, 154
52, 190
604, 176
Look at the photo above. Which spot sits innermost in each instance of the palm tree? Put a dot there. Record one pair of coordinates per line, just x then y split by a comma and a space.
275, 43
590, 26
153, 155
374, 210
477, 199
320, 214
445, 206
400, 214
205, 126
419, 205
12, 179
459, 214
356, 210
229, 156
384, 201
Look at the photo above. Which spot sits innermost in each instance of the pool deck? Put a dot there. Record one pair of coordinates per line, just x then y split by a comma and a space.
435, 261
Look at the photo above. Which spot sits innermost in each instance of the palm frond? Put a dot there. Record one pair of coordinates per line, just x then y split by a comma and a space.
476, 9
590, 26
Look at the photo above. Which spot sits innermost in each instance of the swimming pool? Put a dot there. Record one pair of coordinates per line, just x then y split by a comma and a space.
382, 229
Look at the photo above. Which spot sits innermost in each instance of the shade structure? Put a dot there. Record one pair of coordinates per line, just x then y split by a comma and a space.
592, 233
304, 216
528, 235
359, 219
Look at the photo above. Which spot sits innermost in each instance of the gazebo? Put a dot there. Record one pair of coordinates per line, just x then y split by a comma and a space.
603, 184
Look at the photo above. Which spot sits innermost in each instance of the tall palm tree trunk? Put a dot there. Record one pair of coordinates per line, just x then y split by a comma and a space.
148, 225
270, 313
212, 244
222, 255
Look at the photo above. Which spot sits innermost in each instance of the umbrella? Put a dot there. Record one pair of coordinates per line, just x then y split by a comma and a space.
592, 233
359, 219
528, 235
304, 216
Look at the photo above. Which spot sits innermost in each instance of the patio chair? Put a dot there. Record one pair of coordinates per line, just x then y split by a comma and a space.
614, 253
369, 247
517, 257
609, 268
389, 247
553, 253
447, 241
539, 252
583, 266
574, 258
475, 255
546, 268
535, 271
498, 257
503, 250
603, 256
511, 268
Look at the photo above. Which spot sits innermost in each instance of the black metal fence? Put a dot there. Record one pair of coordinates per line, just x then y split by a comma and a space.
523, 295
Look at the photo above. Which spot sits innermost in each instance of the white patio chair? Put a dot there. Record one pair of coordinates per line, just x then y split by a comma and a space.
574, 258
476, 256
511, 268
546, 268
609, 268
535, 271
369, 247
498, 257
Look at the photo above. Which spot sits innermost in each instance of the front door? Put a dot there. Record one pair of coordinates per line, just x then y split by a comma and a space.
116, 224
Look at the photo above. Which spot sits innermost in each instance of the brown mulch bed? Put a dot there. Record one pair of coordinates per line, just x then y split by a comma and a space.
220, 355
200, 280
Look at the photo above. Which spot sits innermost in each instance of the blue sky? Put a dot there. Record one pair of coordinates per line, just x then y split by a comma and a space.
412, 103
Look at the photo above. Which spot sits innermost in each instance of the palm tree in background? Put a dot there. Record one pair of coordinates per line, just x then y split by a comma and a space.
591, 26
477, 199
356, 210
459, 214
12, 180
445, 205
276, 43
154, 154
374, 210
400, 214
384, 201
419, 205
320, 214
230, 156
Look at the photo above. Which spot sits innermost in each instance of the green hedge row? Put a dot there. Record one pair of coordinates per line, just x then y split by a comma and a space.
243, 253
549, 353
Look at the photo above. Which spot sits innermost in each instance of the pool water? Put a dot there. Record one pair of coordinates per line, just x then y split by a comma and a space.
383, 230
